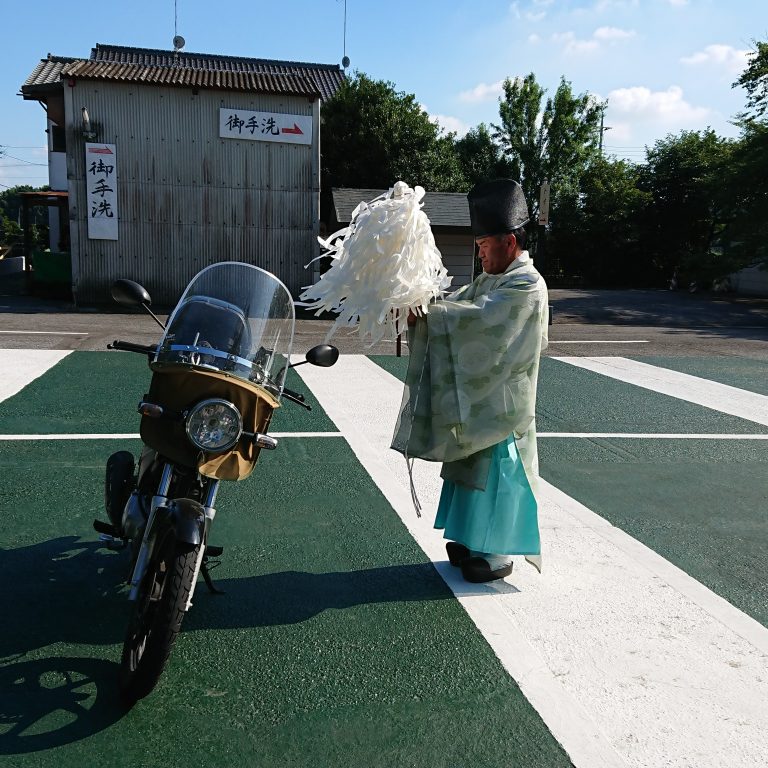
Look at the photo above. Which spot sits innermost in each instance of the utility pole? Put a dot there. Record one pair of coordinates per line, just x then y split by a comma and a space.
602, 129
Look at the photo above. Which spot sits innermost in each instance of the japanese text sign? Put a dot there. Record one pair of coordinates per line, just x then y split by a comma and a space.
265, 126
101, 191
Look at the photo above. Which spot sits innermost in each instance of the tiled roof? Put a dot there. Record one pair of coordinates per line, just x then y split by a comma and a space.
112, 62
48, 71
327, 77
230, 81
443, 209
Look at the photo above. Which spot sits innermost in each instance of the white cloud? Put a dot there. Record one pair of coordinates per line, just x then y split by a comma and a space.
534, 39
571, 44
612, 34
666, 107
536, 12
729, 58
450, 124
482, 92
678, 3
606, 5
602, 35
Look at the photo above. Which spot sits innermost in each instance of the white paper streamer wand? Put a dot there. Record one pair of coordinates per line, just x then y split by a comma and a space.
385, 264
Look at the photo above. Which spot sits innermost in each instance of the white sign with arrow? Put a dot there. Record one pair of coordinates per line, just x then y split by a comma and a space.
265, 126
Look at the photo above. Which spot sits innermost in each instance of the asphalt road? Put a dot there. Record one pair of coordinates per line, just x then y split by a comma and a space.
608, 322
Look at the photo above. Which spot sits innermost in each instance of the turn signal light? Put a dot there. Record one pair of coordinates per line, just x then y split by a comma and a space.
151, 409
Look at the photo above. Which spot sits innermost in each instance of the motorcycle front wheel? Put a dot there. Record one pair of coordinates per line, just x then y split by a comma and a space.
157, 615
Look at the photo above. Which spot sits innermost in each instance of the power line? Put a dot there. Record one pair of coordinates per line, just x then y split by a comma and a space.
22, 160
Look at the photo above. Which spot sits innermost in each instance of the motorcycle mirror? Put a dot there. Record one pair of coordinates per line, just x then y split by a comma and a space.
130, 294
323, 355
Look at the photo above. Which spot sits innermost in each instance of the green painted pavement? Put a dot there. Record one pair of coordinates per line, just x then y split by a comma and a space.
336, 643
572, 399
742, 372
97, 393
699, 503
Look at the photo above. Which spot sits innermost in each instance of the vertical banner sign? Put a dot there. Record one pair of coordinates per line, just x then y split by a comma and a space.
265, 126
544, 204
101, 191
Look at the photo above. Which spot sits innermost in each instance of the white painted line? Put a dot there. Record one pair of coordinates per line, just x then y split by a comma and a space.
133, 436
116, 436
600, 341
44, 333
628, 660
648, 436
18, 367
710, 394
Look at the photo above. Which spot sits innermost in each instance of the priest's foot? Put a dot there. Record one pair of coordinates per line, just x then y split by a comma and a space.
456, 552
478, 570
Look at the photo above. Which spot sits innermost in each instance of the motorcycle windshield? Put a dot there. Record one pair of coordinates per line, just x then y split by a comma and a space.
234, 318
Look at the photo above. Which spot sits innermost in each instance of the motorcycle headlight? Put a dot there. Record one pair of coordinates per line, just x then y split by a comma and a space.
214, 425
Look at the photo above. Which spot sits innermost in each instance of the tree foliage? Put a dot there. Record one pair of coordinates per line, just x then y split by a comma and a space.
10, 218
600, 234
754, 80
689, 204
481, 157
373, 136
556, 143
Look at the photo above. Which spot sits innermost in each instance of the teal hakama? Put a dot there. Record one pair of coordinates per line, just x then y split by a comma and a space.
503, 518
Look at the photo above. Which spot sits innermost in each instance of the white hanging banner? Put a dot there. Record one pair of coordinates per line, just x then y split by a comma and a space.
101, 191
544, 204
265, 126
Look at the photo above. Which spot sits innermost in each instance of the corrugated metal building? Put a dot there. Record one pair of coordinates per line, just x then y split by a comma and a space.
205, 158
448, 214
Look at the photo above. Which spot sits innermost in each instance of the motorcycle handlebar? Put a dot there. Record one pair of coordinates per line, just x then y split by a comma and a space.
129, 346
293, 395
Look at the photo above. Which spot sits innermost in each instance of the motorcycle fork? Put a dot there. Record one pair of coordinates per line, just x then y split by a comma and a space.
210, 513
148, 540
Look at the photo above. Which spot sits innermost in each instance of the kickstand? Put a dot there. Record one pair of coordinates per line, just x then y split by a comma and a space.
206, 569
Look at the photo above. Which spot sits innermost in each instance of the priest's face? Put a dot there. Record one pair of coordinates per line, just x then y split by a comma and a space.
497, 252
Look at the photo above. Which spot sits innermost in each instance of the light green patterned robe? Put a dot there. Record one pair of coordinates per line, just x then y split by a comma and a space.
472, 374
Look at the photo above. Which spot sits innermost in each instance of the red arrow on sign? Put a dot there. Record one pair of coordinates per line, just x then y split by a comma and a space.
295, 130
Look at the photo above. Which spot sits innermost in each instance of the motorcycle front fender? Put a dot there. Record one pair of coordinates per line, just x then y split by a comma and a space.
188, 518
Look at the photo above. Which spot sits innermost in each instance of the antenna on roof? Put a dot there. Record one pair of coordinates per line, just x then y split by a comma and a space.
178, 40
345, 59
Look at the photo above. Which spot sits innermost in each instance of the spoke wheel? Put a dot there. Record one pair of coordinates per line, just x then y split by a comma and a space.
157, 615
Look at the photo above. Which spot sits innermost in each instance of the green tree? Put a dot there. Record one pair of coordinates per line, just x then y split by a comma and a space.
607, 220
754, 80
556, 143
481, 157
373, 136
745, 181
746, 176
689, 206
10, 229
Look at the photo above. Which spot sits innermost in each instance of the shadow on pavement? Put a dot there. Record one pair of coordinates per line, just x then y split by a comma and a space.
68, 591
657, 308
51, 702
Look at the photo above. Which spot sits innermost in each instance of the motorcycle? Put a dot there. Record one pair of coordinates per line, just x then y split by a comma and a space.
218, 374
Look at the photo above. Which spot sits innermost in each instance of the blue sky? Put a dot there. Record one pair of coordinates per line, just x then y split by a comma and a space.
663, 65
